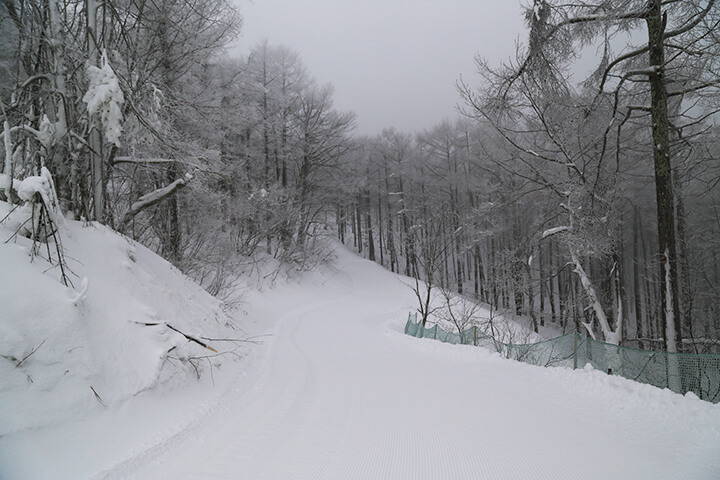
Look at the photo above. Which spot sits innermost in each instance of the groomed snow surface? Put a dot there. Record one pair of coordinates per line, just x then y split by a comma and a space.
337, 391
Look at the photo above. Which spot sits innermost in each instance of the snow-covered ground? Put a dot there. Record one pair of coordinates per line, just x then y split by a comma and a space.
89, 351
338, 391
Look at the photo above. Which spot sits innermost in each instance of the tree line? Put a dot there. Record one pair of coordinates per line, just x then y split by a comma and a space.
589, 206
150, 128
592, 206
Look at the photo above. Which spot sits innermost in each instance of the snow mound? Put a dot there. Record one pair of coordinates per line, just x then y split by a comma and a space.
128, 323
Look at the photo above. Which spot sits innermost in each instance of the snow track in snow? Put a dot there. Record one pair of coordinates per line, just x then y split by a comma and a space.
341, 393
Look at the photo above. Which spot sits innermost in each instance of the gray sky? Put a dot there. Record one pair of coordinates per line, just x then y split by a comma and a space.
393, 62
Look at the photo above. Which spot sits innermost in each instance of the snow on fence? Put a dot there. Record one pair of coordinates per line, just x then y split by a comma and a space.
698, 373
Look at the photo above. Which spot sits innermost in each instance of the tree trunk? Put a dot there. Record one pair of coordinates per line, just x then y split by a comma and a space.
543, 279
610, 335
493, 280
95, 141
686, 295
637, 294
172, 249
517, 285
651, 300
353, 225
531, 296
340, 223
663, 179
358, 219
554, 274
619, 290
390, 242
380, 229
368, 227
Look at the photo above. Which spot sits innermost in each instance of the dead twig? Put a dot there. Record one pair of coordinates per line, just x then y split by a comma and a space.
97, 396
29, 354
212, 376
17, 231
192, 339
239, 340
196, 367
10, 213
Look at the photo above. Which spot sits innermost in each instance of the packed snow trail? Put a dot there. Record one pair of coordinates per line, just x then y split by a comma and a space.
344, 394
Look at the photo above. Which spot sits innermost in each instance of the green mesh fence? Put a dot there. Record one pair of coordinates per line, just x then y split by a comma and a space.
680, 372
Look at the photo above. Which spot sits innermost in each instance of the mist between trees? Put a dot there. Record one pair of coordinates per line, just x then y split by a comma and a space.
590, 206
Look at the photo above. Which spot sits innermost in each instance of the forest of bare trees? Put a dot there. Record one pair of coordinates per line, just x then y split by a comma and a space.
588, 206
148, 127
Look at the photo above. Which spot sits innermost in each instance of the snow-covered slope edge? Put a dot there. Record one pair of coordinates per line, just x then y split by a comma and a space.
68, 351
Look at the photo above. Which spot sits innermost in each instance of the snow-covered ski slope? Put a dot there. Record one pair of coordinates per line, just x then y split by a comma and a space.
342, 393
339, 392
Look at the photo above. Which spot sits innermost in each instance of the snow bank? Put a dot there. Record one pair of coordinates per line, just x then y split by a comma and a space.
66, 351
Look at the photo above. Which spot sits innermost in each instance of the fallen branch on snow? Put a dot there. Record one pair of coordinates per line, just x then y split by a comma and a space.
97, 396
192, 339
239, 340
29, 354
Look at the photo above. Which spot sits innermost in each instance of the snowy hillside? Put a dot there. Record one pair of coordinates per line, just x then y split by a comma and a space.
336, 390
566, 215
341, 392
113, 333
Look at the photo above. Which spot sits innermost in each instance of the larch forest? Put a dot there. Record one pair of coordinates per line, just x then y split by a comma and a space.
196, 154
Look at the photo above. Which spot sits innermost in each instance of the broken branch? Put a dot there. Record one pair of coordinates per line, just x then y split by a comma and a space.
150, 199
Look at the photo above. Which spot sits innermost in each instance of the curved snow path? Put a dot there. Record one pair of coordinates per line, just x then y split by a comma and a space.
343, 394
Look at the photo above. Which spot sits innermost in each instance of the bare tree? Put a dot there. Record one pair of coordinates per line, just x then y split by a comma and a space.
677, 43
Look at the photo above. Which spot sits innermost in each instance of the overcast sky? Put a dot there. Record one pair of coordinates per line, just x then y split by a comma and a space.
393, 62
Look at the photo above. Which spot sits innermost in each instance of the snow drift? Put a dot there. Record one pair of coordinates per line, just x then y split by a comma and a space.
128, 322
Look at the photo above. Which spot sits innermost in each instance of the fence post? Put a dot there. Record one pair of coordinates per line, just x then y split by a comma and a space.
575, 335
436, 327
475, 335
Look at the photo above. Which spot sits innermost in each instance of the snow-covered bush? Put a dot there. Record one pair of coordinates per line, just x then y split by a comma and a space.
38, 196
43, 186
38, 217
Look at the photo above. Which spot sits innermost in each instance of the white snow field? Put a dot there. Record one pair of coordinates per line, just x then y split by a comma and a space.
339, 392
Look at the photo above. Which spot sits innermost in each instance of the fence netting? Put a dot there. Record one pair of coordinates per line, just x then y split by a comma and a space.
680, 372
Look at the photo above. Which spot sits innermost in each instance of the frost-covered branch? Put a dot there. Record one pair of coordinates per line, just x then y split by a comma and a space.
611, 336
124, 159
105, 98
553, 231
150, 199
